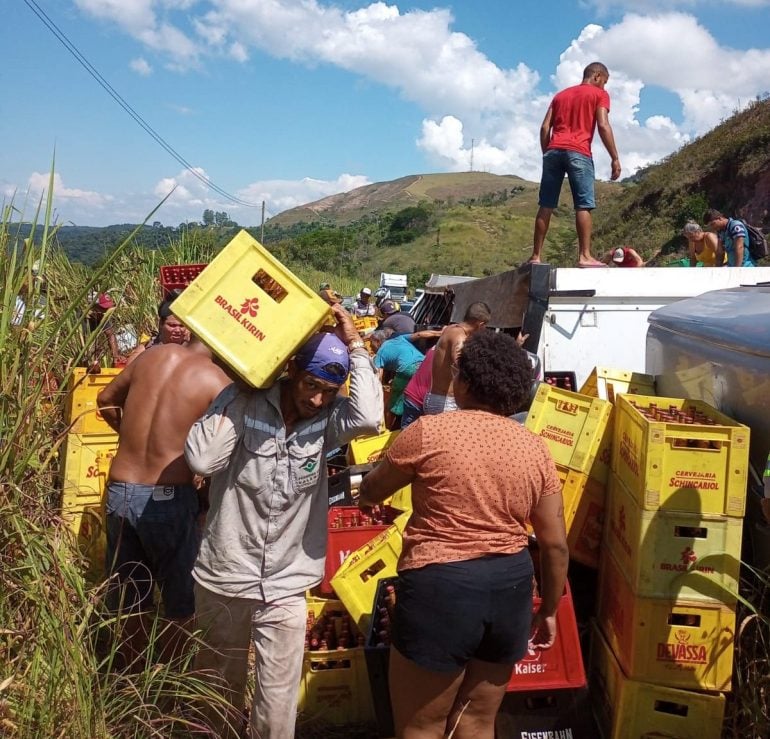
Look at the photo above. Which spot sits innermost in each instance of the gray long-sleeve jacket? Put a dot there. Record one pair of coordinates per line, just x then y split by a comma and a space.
265, 535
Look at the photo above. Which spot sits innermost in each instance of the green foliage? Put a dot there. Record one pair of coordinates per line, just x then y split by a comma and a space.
408, 224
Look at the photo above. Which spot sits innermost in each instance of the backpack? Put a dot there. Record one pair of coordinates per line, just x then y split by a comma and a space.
757, 242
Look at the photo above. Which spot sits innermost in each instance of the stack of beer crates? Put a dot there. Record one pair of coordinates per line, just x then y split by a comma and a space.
87, 451
663, 652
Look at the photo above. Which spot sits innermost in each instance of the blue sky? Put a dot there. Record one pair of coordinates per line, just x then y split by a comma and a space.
289, 101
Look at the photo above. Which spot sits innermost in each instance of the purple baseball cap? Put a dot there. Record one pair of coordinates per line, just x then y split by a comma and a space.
324, 356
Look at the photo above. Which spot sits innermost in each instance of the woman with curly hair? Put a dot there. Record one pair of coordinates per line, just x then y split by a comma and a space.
464, 595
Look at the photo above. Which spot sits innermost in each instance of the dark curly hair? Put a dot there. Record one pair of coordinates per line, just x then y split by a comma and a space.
496, 370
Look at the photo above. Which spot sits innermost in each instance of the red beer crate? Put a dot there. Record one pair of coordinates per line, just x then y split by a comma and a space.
349, 531
559, 667
178, 276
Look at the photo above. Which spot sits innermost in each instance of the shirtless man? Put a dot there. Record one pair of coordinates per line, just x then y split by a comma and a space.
151, 501
441, 397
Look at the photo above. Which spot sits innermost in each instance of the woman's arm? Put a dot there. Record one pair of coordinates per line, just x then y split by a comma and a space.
548, 522
384, 480
691, 251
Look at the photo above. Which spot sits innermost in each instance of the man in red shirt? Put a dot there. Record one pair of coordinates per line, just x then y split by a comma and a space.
565, 138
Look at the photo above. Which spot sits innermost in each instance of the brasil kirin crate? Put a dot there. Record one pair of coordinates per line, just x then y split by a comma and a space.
682, 555
671, 642
250, 310
631, 709
680, 454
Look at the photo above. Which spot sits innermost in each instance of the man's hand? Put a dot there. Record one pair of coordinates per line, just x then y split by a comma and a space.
615, 169
521, 338
345, 329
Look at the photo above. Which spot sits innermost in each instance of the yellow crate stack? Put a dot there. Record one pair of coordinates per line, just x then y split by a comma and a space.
86, 455
669, 573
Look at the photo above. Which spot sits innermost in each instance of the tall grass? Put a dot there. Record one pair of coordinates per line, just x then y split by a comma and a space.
59, 672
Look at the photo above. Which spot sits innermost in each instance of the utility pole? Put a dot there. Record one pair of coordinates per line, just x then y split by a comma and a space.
262, 228
473, 142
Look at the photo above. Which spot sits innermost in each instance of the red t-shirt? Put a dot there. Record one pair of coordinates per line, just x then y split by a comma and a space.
573, 118
419, 386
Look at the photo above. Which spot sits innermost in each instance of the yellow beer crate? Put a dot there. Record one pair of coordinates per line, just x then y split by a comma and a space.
401, 500
673, 555
355, 582
368, 449
681, 466
250, 310
679, 644
86, 463
572, 425
628, 709
607, 383
80, 410
583, 515
335, 686
365, 324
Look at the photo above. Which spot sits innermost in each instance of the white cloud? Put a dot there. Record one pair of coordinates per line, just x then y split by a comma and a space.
38, 185
141, 66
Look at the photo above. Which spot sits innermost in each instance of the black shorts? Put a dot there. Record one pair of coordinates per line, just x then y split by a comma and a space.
450, 613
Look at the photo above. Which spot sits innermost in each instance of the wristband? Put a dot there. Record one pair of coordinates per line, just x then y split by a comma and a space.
355, 344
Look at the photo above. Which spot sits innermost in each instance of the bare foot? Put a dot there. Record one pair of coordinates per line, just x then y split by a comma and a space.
590, 263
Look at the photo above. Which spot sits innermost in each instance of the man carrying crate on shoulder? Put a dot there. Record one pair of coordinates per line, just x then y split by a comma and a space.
265, 540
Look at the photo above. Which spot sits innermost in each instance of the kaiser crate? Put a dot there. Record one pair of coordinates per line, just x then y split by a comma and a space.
697, 462
571, 425
628, 709
250, 310
679, 644
673, 555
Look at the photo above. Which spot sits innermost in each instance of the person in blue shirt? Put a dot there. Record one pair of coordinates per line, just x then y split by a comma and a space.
733, 239
397, 354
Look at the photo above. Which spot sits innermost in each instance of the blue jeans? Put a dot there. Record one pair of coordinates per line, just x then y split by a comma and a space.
152, 538
411, 413
579, 169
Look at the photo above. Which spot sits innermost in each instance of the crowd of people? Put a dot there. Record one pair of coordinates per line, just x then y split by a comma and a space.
218, 496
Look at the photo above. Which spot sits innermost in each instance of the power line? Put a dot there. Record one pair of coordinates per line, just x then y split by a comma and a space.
115, 95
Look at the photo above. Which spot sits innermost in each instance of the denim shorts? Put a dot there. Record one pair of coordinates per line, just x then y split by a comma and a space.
579, 169
450, 613
152, 539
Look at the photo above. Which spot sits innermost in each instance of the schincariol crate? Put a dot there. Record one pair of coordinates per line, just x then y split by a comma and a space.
250, 310
80, 410
86, 465
607, 383
680, 644
628, 709
334, 687
560, 666
698, 467
583, 515
571, 424
355, 582
673, 555
370, 449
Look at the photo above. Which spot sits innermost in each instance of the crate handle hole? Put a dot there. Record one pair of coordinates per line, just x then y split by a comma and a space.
691, 532
270, 285
540, 702
683, 619
372, 570
675, 709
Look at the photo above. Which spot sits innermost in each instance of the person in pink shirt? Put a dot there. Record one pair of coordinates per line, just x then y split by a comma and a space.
416, 390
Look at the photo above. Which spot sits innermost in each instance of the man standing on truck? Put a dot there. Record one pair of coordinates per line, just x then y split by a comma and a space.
565, 138
441, 397
151, 501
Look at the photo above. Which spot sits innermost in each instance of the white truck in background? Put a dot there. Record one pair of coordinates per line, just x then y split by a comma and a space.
396, 285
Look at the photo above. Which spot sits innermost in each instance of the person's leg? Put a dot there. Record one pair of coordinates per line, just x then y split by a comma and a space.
278, 633
478, 699
580, 171
550, 188
421, 699
225, 625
